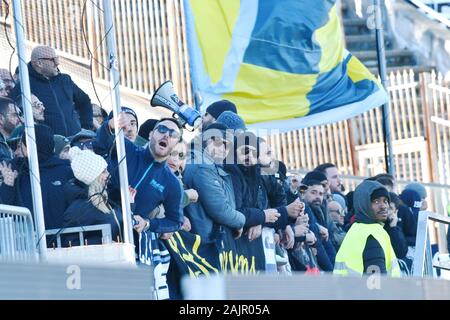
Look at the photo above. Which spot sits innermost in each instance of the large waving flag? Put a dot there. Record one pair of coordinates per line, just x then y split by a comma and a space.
282, 62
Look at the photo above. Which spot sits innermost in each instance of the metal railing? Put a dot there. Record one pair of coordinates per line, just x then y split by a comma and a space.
423, 259
104, 228
17, 236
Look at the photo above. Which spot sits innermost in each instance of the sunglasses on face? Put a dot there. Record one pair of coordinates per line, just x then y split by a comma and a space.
54, 60
84, 145
172, 132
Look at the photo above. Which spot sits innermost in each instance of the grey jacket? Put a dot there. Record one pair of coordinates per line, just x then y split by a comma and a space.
216, 204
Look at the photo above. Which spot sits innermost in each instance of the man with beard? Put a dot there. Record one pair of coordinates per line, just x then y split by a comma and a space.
367, 248
318, 219
148, 173
333, 175
9, 119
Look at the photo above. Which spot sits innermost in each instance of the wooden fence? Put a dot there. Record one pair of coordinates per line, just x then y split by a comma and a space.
152, 47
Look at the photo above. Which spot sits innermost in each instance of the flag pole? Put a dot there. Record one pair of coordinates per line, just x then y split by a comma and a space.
33, 163
120, 143
381, 57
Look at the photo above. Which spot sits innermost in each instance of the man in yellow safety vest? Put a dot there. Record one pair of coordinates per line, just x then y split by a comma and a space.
367, 248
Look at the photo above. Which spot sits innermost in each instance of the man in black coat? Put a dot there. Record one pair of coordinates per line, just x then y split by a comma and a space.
67, 107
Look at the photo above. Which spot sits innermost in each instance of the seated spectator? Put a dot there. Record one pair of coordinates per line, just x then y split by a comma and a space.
9, 120
62, 147
215, 209
8, 80
87, 196
67, 107
54, 173
420, 189
83, 139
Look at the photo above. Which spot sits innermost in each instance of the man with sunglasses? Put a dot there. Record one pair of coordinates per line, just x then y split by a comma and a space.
67, 107
148, 173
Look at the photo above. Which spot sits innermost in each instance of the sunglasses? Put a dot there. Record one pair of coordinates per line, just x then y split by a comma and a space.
54, 60
84, 145
172, 132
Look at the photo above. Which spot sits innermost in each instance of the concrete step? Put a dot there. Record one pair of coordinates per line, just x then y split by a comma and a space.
372, 54
365, 42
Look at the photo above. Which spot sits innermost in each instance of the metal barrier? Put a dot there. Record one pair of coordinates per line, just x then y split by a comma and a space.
423, 259
17, 236
104, 228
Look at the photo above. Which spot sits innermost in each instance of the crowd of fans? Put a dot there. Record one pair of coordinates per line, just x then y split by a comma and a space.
226, 177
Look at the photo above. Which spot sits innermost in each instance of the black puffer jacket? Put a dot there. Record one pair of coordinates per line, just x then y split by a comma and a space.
81, 212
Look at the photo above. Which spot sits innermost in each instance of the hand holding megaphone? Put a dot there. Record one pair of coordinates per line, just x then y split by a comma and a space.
166, 97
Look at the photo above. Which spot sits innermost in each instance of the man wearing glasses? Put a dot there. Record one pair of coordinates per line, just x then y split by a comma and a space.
67, 107
148, 173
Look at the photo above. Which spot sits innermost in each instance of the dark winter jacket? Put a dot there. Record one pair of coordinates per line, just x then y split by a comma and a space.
54, 173
5, 151
216, 204
252, 197
154, 182
81, 212
67, 107
407, 224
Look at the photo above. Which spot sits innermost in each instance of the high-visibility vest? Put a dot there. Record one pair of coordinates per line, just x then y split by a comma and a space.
349, 259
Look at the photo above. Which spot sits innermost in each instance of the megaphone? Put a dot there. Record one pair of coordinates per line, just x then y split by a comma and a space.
165, 97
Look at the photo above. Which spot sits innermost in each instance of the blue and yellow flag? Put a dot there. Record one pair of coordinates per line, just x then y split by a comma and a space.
282, 62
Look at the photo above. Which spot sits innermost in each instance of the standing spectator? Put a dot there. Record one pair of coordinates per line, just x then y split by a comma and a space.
386, 180
67, 107
131, 130
367, 247
215, 110
54, 173
148, 173
7, 79
333, 175
216, 207
87, 197
420, 189
9, 119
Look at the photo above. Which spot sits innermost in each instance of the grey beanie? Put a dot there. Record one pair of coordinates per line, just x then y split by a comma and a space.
340, 199
417, 187
232, 120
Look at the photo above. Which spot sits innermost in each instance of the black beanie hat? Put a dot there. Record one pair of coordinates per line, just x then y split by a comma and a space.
217, 108
147, 127
126, 110
380, 192
313, 178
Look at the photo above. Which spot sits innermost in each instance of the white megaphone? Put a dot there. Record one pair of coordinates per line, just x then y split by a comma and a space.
165, 97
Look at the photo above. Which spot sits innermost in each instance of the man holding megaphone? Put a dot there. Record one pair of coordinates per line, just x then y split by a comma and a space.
148, 174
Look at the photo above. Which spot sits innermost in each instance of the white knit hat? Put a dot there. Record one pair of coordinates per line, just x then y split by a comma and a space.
86, 165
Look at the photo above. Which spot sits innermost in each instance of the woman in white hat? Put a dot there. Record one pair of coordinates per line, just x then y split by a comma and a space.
87, 196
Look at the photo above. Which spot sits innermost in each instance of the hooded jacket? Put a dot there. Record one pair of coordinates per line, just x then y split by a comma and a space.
373, 254
67, 107
54, 174
81, 212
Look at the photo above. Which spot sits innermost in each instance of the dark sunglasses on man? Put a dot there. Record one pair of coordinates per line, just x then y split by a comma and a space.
172, 132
